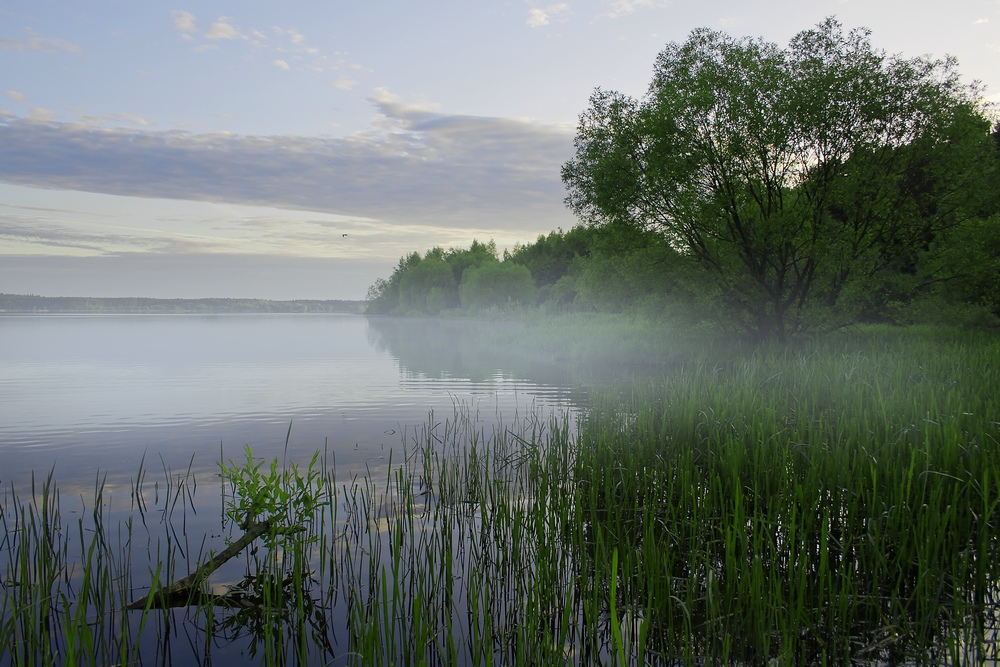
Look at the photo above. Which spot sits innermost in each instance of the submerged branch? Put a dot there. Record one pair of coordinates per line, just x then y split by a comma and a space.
181, 592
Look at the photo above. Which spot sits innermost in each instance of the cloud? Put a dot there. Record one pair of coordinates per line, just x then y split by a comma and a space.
34, 42
294, 36
16, 96
223, 29
116, 119
184, 21
981, 21
94, 243
382, 98
288, 46
293, 48
539, 17
226, 276
87, 224
40, 115
344, 83
413, 166
619, 8
34, 232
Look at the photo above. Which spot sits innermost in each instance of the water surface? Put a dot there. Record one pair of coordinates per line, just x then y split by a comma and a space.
89, 393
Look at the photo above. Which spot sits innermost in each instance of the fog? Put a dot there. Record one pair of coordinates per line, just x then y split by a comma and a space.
86, 393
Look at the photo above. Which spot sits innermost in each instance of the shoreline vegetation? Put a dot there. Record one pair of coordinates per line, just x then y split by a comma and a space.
25, 304
758, 190
825, 501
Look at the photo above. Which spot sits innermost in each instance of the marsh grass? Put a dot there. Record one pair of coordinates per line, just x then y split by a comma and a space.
825, 504
830, 502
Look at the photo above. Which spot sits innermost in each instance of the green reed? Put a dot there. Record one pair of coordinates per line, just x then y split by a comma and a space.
827, 502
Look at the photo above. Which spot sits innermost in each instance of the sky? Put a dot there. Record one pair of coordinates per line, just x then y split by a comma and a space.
297, 150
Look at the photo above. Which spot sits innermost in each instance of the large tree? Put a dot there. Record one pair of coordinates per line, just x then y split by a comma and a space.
794, 176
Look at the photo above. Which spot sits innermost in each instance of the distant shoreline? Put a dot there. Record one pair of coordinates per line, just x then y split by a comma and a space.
21, 304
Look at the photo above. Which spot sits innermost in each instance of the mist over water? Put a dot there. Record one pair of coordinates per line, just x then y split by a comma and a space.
89, 394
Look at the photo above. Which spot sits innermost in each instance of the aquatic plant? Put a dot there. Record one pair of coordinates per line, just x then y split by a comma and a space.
832, 501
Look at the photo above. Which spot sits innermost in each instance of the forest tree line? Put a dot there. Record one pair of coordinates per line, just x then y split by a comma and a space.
760, 189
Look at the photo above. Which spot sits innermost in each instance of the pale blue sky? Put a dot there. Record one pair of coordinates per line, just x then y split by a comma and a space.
225, 148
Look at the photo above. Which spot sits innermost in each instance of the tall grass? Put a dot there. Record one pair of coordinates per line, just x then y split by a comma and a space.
831, 502
823, 504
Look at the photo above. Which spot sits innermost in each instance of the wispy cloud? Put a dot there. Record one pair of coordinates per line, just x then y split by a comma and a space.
184, 22
41, 115
32, 41
115, 119
414, 166
619, 8
539, 17
16, 96
290, 48
36, 235
93, 225
222, 28
68, 235
344, 83
294, 36
157, 275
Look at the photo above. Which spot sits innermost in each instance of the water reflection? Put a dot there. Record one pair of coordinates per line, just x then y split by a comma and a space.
83, 393
479, 351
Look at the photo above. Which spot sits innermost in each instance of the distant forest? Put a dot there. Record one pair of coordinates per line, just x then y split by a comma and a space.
15, 303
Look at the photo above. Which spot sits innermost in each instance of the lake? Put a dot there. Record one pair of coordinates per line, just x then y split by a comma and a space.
835, 501
132, 414
83, 394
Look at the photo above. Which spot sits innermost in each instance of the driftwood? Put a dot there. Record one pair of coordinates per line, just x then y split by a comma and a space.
187, 590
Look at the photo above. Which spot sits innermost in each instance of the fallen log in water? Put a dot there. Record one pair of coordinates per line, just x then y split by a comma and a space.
187, 590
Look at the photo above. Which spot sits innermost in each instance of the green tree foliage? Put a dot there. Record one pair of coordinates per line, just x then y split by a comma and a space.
794, 178
553, 256
383, 295
630, 268
618, 282
611, 268
429, 287
496, 285
477, 255
964, 272
429, 284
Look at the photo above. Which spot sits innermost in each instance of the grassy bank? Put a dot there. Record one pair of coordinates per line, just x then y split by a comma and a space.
828, 502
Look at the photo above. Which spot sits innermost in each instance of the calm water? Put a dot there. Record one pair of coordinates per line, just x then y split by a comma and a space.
86, 393
90, 397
